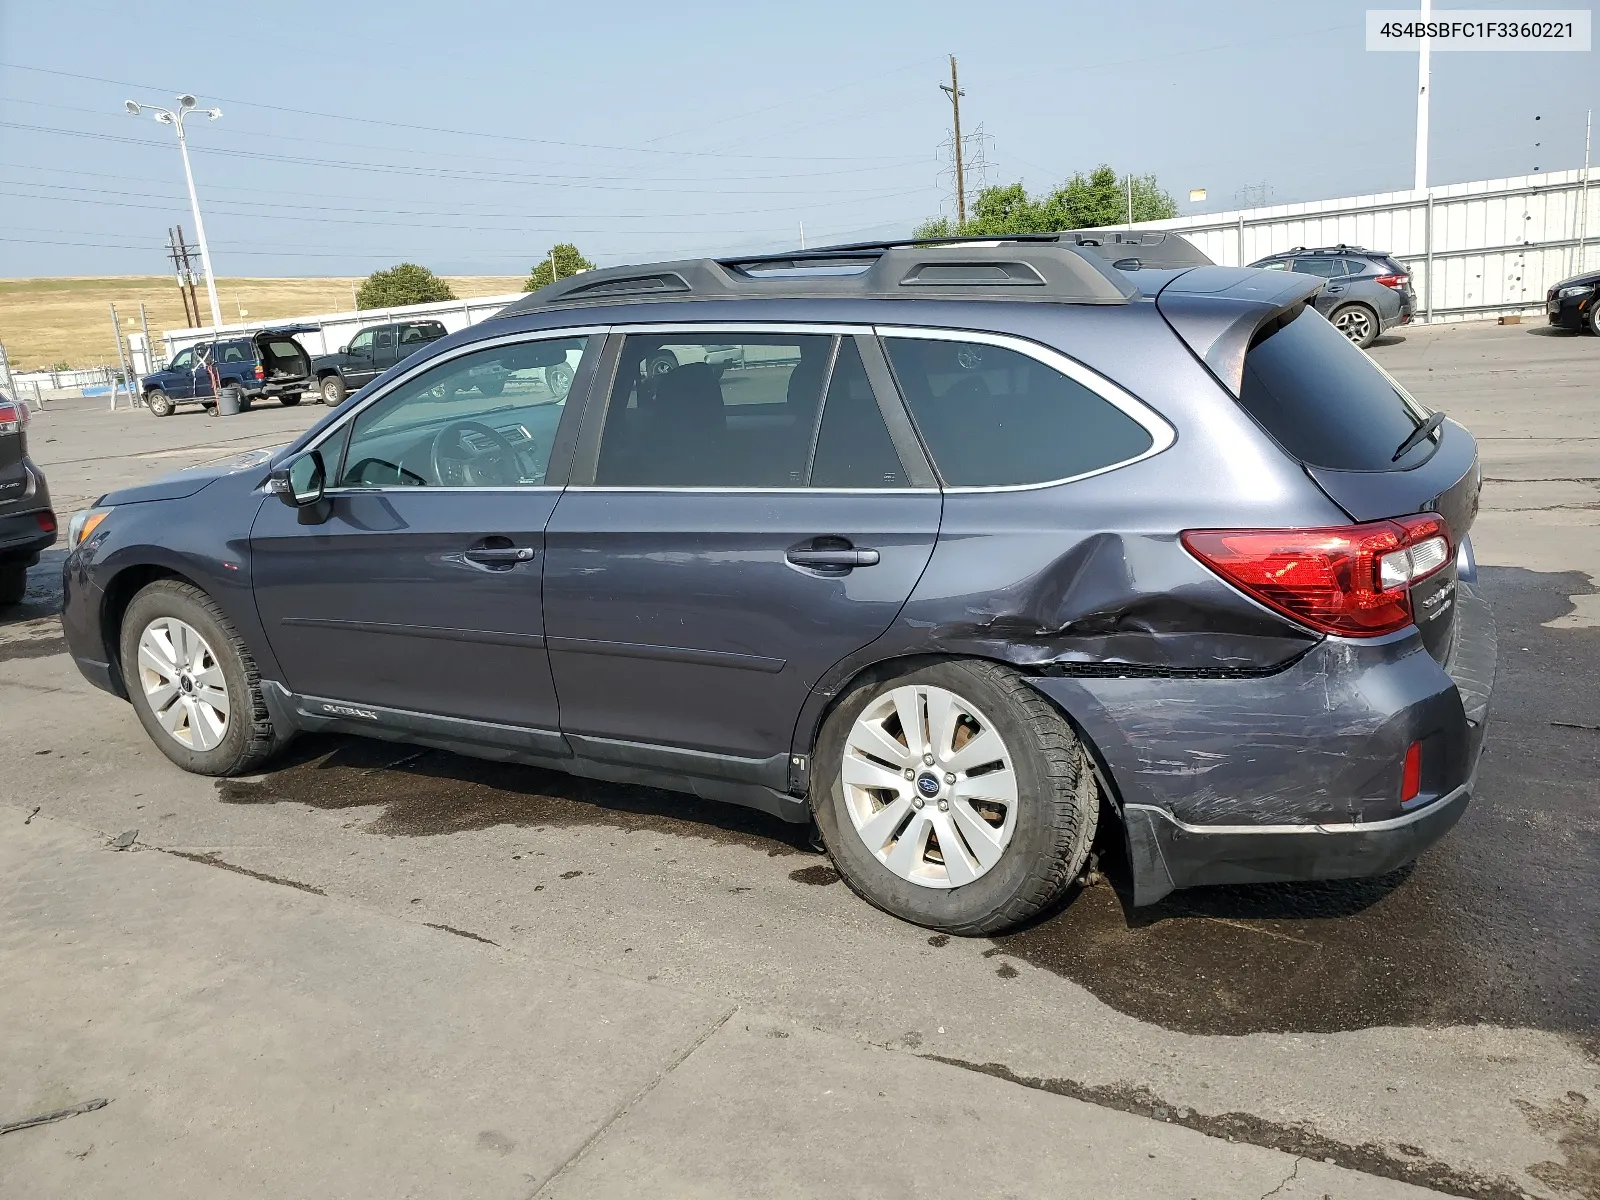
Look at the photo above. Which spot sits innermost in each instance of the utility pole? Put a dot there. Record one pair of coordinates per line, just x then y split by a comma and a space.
177, 270
1421, 182
1130, 199
188, 274
953, 90
802, 235
1583, 192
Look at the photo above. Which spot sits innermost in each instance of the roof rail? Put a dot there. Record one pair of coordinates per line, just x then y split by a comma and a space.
1074, 267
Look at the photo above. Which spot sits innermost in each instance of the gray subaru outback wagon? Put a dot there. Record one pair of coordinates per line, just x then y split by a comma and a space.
950, 549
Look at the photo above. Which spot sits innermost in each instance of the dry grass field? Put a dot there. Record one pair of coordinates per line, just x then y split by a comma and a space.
46, 321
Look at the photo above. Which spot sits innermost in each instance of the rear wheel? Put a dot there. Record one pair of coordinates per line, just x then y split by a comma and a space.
333, 392
13, 582
193, 682
954, 796
160, 403
289, 399
1358, 323
664, 361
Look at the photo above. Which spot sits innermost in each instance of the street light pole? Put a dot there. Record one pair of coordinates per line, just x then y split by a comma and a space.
186, 105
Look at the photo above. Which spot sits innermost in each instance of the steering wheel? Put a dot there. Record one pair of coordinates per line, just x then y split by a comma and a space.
456, 464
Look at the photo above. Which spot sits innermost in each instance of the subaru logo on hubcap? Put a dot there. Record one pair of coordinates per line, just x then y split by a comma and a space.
928, 785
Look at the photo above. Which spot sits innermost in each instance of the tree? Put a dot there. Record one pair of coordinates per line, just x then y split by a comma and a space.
406, 283
567, 262
1090, 201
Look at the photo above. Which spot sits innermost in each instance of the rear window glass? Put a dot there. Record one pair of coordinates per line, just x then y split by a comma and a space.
993, 417
284, 350
1326, 402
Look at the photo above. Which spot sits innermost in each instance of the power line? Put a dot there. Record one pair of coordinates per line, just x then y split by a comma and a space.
504, 137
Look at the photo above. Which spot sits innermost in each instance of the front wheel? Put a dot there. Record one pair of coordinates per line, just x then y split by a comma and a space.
954, 796
193, 682
1592, 321
1358, 323
558, 379
160, 403
333, 391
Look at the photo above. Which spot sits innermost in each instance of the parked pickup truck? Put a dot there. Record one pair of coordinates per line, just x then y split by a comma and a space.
268, 363
369, 354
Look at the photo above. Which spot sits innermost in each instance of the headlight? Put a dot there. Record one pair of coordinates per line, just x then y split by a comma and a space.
1580, 289
83, 524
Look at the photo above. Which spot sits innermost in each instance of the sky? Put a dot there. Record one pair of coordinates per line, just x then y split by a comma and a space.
471, 136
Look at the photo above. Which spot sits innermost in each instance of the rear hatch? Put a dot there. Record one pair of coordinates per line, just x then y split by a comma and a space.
282, 358
13, 449
1357, 433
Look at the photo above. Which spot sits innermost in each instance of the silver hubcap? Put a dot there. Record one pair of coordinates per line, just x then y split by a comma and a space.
1354, 324
183, 683
930, 786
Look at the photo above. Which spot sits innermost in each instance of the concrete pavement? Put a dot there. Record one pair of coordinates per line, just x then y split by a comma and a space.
255, 1038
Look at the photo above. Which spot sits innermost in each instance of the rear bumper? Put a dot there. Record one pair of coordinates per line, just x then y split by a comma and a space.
1167, 853
21, 537
1294, 775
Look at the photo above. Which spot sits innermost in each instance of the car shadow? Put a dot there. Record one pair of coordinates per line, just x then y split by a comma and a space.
43, 597
1387, 339
1556, 331
424, 793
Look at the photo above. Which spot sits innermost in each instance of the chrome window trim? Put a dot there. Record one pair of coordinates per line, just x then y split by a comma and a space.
770, 327
506, 339
1162, 434
424, 490
758, 491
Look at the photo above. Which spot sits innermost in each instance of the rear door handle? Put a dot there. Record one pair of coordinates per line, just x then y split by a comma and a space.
833, 558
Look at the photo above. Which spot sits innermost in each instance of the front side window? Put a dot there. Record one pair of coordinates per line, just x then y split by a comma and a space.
995, 417
723, 410
362, 342
485, 419
183, 360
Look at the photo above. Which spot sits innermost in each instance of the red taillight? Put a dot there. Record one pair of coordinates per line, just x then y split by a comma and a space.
47, 521
260, 374
1411, 775
1394, 281
1353, 580
13, 416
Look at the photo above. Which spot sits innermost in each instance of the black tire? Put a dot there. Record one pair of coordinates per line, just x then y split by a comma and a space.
333, 392
250, 736
289, 399
160, 403
1592, 321
13, 582
662, 362
1358, 323
1057, 809
491, 387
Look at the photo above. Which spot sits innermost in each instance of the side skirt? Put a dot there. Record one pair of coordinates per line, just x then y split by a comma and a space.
748, 782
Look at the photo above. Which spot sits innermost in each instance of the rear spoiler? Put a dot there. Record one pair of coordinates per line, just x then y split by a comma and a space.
290, 329
1218, 311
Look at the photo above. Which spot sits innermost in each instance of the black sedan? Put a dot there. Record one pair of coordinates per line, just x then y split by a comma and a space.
27, 525
1571, 303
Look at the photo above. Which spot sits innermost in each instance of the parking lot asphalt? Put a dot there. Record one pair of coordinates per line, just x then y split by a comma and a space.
1439, 1026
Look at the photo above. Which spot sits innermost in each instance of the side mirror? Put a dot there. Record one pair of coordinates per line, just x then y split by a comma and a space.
300, 483
345, 349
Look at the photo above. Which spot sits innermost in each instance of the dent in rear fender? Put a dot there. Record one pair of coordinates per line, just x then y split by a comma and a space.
1320, 741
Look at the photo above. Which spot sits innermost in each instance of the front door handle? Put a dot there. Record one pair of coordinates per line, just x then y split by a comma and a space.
833, 558
499, 557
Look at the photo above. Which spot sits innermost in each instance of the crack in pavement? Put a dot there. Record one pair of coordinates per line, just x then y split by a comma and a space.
1286, 1180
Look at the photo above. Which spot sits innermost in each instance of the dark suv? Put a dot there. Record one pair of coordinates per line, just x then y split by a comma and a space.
261, 365
941, 546
1366, 292
27, 524
368, 354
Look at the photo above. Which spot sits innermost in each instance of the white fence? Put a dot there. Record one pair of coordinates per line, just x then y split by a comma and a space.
1474, 249
336, 329
64, 380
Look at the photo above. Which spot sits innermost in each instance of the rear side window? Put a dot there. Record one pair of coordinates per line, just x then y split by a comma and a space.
994, 417
1328, 268
1325, 402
